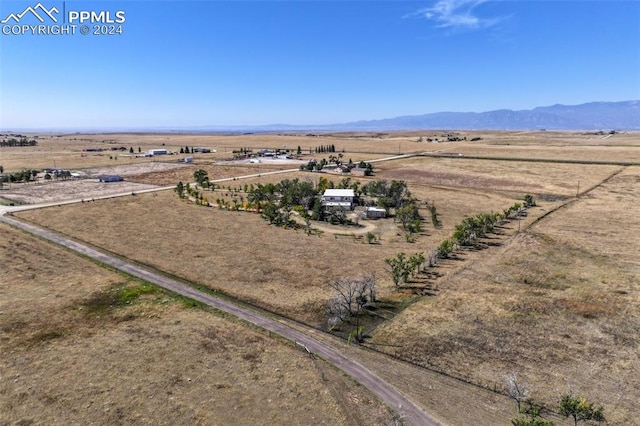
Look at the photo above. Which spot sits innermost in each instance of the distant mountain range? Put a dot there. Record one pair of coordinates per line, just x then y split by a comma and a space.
589, 116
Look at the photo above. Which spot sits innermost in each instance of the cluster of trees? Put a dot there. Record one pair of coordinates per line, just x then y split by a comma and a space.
392, 194
58, 174
186, 150
276, 201
470, 229
242, 151
316, 166
186, 190
26, 175
467, 233
23, 141
325, 148
570, 405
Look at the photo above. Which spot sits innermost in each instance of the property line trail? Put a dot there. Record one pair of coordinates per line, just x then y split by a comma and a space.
387, 393
575, 199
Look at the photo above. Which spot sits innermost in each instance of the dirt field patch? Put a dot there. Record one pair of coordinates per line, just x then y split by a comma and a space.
32, 193
151, 360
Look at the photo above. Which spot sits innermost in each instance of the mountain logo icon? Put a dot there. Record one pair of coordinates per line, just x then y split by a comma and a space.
43, 11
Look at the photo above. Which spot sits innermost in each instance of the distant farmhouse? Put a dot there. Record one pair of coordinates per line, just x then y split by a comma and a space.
338, 198
158, 152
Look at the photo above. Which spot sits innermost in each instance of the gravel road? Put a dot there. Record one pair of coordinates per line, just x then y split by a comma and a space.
387, 393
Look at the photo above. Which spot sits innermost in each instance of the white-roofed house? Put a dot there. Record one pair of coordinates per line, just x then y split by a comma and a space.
338, 198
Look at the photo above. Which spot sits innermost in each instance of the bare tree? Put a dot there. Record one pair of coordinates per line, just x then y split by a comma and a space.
516, 389
351, 296
398, 418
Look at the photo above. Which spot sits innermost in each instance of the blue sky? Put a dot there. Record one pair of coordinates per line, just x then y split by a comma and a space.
182, 64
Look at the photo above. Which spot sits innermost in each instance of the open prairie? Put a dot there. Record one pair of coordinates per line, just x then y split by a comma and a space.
83, 345
554, 302
69, 150
557, 303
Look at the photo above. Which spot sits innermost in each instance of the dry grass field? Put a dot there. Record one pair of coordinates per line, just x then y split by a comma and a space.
558, 303
75, 349
540, 179
240, 254
68, 150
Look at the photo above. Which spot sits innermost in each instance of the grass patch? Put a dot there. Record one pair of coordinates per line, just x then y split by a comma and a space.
47, 335
120, 295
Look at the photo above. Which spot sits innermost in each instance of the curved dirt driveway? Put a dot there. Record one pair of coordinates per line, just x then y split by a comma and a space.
392, 397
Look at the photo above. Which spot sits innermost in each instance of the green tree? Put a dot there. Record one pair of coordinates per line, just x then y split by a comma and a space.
200, 176
130, 150
434, 215
400, 268
529, 201
445, 249
409, 216
179, 189
415, 262
336, 215
396, 268
532, 413
580, 409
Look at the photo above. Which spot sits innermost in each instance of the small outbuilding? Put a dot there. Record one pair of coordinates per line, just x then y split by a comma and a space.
375, 213
110, 178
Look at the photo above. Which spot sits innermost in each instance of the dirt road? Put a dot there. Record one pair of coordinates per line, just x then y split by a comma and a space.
391, 396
